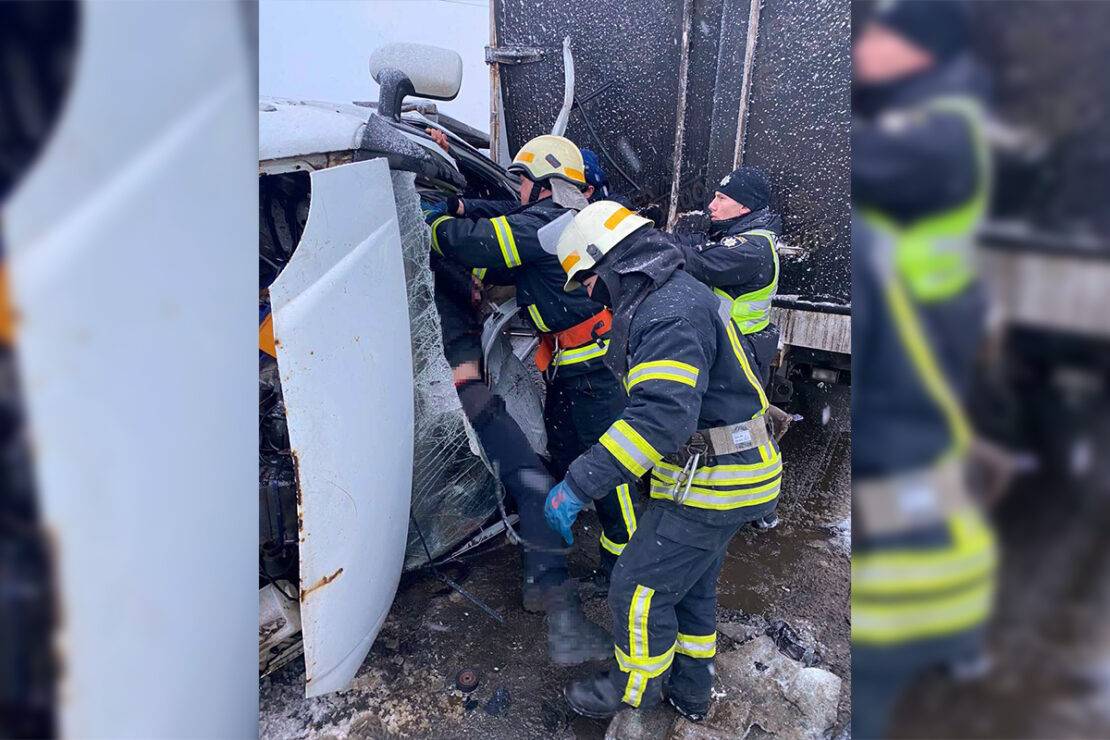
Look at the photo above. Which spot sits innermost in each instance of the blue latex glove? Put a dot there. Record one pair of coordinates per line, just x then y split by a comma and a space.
434, 211
561, 509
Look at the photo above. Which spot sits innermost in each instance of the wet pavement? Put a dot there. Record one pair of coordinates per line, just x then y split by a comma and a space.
797, 572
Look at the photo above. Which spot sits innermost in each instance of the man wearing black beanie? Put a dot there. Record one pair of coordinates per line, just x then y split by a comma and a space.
737, 257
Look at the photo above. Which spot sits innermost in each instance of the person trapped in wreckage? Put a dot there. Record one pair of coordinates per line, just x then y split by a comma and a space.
516, 246
922, 585
696, 420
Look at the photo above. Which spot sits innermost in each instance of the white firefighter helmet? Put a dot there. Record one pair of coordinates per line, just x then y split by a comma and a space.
592, 234
550, 156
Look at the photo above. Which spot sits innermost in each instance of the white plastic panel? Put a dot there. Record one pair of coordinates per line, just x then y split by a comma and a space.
132, 251
342, 329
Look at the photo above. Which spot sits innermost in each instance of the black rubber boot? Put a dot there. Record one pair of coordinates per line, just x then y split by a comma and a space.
596, 697
766, 523
531, 596
571, 637
695, 712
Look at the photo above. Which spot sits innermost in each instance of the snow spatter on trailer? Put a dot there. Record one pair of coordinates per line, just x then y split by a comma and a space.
798, 132
766, 86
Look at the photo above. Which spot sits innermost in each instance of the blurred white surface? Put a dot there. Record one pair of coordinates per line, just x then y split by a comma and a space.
132, 247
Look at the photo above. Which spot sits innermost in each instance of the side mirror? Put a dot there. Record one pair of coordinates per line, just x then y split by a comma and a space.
414, 69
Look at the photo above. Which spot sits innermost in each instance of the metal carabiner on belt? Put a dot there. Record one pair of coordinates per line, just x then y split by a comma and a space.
695, 448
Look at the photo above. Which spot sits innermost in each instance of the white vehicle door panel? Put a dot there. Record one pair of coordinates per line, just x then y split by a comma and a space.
342, 333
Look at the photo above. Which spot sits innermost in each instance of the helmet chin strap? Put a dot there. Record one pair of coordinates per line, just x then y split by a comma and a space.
534, 194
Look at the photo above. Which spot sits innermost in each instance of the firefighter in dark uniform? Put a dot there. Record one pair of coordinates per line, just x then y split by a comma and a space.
696, 421
924, 558
583, 397
738, 258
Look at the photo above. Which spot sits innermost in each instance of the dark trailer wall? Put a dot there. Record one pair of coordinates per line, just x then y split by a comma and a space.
635, 60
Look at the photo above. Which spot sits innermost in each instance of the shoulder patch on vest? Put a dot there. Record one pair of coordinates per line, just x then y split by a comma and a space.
549, 233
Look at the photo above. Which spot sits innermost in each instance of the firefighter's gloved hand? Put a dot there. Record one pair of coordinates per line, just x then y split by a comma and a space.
434, 211
562, 509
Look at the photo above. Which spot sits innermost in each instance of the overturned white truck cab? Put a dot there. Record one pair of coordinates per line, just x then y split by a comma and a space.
366, 464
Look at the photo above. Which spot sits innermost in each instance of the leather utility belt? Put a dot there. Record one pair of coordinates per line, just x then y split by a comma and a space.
911, 501
705, 445
590, 331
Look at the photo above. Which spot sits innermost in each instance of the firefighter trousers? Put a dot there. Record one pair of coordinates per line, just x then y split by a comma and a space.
663, 595
578, 410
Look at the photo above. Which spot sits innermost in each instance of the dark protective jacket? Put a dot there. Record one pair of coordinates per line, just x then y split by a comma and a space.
517, 247
687, 370
738, 265
733, 265
896, 426
910, 160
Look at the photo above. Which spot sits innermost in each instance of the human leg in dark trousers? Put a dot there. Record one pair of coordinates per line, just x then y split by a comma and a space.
578, 410
690, 683
571, 638
667, 557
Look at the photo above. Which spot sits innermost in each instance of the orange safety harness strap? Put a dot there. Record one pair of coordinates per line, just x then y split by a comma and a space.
576, 336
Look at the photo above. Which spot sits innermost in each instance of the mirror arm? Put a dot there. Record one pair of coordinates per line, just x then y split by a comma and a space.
395, 86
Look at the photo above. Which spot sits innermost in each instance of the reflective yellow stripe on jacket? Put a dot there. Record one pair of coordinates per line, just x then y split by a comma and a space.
628, 514
752, 310
935, 254
678, 372
905, 594
506, 241
722, 486
742, 358
629, 448
435, 239
537, 319
584, 353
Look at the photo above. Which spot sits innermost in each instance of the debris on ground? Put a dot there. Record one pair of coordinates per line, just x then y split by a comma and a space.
499, 702
761, 692
466, 680
408, 681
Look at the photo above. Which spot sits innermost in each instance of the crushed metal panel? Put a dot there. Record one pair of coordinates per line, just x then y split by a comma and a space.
293, 128
341, 328
127, 247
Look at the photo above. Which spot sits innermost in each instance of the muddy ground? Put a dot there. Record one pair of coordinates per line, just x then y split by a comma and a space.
797, 572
